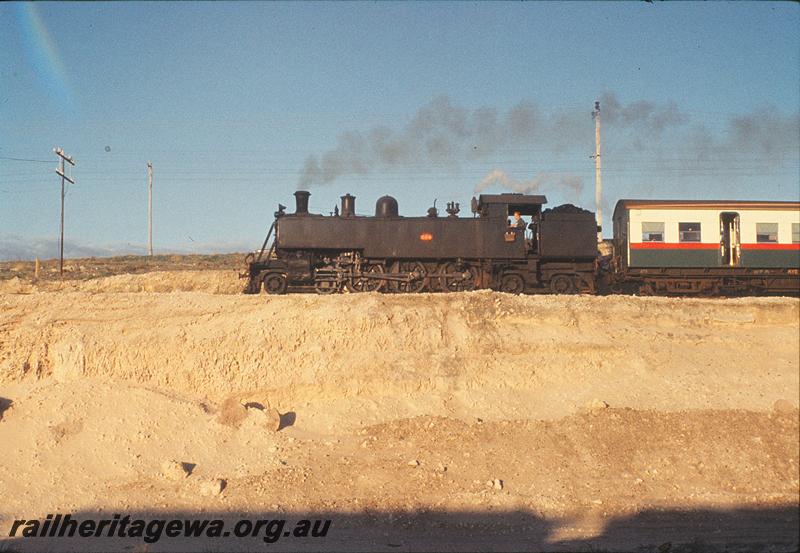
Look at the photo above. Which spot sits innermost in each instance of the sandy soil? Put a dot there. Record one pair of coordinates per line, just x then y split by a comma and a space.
426, 422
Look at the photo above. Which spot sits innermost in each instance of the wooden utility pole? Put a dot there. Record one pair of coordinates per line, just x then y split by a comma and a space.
60, 172
598, 179
150, 208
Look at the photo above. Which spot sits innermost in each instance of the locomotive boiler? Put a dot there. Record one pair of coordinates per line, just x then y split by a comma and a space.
556, 250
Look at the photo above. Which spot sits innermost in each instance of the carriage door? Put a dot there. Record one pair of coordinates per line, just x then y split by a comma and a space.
729, 247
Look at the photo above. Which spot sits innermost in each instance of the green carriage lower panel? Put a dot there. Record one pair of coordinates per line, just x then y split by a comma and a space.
785, 257
674, 257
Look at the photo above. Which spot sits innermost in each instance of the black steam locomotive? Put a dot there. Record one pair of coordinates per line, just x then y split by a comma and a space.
554, 250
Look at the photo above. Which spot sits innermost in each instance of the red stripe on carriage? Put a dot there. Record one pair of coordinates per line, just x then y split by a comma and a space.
673, 246
771, 247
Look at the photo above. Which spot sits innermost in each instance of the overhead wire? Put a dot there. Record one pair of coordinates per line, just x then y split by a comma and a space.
25, 159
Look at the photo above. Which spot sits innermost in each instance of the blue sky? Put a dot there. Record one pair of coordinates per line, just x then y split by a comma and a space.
234, 102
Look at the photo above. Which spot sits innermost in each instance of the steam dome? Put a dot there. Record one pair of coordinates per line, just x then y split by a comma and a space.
386, 206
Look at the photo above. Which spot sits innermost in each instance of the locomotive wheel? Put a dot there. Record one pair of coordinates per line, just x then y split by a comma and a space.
647, 289
368, 284
275, 283
466, 279
562, 284
419, 281
326, 286
512, 283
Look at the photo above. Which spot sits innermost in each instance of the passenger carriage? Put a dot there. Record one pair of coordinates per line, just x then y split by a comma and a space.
680, 246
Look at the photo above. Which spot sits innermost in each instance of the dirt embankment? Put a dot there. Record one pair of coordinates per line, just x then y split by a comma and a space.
379, 355
579, 412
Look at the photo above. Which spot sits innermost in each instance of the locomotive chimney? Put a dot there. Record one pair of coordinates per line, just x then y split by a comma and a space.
348, 206
301, 201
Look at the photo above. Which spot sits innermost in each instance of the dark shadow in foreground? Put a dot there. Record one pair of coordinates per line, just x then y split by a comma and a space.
773, 529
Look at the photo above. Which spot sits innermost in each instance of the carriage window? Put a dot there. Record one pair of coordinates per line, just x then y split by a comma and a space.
795, 233
766, 232
652, 232
689, 232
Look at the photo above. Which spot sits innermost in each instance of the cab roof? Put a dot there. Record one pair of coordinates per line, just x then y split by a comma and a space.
512, 198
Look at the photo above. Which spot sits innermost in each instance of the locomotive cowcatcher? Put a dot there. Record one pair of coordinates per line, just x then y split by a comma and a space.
556, 251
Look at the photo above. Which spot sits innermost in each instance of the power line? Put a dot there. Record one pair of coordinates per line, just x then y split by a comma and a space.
25, 159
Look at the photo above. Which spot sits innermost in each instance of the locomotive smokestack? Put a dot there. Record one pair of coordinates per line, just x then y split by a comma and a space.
348, 206
301, 201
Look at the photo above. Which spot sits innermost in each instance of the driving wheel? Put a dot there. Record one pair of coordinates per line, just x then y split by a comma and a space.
562, 284
275, 283
512, 283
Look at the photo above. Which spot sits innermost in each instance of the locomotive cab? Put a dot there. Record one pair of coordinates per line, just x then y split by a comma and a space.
503, 206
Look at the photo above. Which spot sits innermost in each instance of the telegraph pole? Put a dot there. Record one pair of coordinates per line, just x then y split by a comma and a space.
150, 208
598, 180
60, 172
